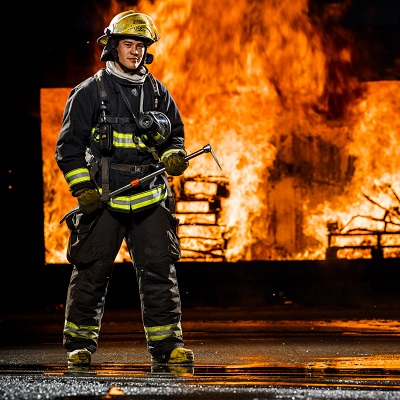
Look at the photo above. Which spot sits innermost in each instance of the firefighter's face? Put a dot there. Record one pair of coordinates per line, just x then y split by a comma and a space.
130, 55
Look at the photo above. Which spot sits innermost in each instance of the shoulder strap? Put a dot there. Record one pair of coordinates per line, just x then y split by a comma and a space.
156, 91
99, 75
101, 85
153, 82
105, 194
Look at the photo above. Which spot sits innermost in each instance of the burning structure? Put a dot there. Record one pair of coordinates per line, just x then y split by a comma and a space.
271, 85
364, 232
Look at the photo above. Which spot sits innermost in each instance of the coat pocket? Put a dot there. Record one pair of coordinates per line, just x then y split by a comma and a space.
174, 246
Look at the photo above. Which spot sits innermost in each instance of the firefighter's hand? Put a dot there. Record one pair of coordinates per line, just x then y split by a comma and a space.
89, 200
175, 164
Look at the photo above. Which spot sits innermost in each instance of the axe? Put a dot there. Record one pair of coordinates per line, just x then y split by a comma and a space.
206, 149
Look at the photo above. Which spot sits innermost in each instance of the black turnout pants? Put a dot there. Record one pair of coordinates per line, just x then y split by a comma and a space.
95, 240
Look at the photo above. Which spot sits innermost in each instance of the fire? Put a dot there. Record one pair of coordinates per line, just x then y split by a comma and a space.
301, 142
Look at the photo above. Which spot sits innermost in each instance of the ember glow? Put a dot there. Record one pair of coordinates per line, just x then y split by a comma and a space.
303, 144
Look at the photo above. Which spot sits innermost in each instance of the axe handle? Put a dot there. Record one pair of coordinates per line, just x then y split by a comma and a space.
135, 182
160, 171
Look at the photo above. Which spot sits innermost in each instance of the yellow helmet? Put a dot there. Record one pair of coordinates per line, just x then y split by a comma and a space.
131, 23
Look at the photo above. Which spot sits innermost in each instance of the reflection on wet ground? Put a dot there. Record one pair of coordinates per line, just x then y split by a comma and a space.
207, 382
345, 373
349, 326
235, 358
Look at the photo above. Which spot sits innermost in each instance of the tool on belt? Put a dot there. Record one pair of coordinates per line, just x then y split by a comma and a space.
206, 149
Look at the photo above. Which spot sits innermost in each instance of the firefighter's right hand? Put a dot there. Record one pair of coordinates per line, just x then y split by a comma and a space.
176, 164
89, 200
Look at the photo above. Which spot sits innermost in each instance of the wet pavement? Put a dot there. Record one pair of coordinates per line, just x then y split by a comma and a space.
283, 352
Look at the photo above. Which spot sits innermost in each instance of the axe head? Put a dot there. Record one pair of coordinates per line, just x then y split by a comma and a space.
208, 149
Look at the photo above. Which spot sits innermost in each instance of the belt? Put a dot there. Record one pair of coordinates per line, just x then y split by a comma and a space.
133, 169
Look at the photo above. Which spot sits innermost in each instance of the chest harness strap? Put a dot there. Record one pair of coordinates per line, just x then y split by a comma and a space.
105, 136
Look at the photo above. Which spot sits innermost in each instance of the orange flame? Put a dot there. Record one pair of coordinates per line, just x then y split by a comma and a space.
270, 86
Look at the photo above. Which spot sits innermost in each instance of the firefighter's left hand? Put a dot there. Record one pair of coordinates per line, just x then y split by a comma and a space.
175, 164
89, 200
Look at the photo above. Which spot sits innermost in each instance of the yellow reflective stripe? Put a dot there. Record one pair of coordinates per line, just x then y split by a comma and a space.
157, 333
125, 140
139, 200
169, 152
122, 140
77, 176
81, 331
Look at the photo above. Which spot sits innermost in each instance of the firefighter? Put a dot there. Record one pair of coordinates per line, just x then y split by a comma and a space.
117, 126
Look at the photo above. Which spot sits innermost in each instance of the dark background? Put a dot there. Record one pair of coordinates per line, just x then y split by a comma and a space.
53, 47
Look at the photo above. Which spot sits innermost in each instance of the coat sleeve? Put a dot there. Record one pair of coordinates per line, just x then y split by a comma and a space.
79, 117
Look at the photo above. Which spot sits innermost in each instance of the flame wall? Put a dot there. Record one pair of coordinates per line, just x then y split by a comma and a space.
270, 86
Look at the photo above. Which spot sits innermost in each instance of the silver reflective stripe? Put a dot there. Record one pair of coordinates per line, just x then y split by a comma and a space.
157, 333
125, 140
136, 201
141, 101
81, 331
77, 176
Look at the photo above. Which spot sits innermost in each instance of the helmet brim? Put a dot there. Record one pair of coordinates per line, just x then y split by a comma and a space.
103, 40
